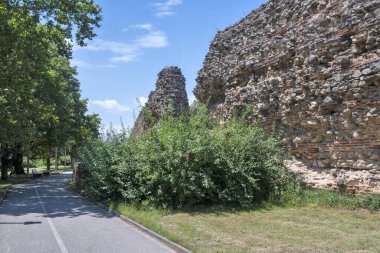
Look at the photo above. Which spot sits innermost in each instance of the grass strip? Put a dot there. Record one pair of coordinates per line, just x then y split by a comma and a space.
268, 229
314, 221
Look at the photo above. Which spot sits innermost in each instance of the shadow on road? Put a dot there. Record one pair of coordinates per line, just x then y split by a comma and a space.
23, 223
59, 201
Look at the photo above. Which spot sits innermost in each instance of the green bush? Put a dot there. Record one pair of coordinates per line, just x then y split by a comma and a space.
295, 195
371, 202
186, 161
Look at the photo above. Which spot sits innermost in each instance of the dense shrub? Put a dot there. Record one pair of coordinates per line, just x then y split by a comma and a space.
185, 161
294, 194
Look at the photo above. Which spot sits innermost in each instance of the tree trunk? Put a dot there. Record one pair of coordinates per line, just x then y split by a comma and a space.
65, 157
56, 159
73, 155
17, 159
48, 163
73, 161
28, 164
5, 153
4, 169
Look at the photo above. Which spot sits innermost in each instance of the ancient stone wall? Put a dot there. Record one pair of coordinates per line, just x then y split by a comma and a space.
310, 69
169, 97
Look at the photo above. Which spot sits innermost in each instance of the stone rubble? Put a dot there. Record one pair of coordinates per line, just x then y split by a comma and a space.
310, 70
169, 97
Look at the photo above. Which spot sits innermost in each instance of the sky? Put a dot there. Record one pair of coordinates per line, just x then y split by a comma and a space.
118, 69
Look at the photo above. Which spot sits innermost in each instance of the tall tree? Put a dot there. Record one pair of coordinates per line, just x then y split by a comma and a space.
34, 36
68, 124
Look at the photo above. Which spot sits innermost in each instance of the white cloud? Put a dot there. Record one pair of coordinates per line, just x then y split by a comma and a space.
155, 39
161, 14
168, 5
112, 105
127, 52
192, 99
127, 57
122, 52
113, 46
83, 64
166, 8
145, 26
141, 101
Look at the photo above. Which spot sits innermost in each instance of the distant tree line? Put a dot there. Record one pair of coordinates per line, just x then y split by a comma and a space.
40, 102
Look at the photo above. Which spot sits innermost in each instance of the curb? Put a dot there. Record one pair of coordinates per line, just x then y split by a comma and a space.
5, 194
171, 245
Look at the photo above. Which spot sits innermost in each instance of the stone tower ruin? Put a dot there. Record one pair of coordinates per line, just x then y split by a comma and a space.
169, 97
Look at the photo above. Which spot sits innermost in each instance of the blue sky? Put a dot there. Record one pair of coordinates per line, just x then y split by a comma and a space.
140, 37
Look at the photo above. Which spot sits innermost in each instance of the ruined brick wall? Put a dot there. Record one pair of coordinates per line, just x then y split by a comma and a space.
310, 69
169, 97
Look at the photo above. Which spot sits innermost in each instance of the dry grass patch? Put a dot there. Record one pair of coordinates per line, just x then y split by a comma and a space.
302, 229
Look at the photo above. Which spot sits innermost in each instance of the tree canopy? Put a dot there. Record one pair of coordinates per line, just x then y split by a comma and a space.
40, 101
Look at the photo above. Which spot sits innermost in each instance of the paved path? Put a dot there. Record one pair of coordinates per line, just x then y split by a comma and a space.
43, 216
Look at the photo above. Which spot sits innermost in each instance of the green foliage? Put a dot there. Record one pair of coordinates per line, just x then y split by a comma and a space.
371, 202
186, 161
295, 195
40, 103
60, 16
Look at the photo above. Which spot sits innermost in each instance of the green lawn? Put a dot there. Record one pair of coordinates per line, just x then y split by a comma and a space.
52, 169
3, 188
15, 179
276, 229
18, 179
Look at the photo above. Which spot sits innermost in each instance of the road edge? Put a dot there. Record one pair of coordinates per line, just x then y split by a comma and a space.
5, 194
168, 243
172, 245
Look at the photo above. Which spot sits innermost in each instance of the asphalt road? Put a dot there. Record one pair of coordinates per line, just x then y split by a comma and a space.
43, 216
